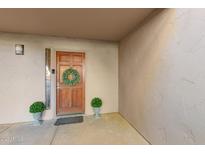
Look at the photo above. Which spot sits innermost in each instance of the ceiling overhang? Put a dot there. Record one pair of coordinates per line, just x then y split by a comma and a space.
99, 24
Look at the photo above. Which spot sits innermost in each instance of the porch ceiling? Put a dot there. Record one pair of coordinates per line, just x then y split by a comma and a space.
101, 24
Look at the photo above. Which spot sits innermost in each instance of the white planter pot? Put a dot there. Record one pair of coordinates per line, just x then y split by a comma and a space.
37, 117
96, 112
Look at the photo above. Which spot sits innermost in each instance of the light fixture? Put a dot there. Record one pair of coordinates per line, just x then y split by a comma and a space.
19, 49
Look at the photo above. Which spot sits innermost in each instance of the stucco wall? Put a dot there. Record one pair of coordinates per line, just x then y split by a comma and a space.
22, 77
162, 77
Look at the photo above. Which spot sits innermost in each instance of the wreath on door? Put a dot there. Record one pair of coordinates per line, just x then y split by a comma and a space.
71, 77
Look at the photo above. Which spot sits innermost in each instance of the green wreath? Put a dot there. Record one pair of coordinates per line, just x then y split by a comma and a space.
71, 77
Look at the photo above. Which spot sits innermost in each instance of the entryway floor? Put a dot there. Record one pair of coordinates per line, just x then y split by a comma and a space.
109, 129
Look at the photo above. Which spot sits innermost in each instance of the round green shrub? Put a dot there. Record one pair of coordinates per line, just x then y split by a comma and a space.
96, 102
37, 107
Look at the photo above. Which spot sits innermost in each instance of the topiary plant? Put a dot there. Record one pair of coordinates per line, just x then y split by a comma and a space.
96, 102
37, 107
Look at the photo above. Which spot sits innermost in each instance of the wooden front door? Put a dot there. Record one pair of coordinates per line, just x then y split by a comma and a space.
70, 99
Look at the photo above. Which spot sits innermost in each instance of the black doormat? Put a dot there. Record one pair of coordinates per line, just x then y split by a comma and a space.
69, 120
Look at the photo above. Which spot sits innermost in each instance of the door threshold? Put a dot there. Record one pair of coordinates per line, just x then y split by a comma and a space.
69, 115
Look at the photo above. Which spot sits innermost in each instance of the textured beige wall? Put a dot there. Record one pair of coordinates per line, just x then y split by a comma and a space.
162, 77
22, 77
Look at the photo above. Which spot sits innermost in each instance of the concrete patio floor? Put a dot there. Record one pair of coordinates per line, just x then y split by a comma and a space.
109, 129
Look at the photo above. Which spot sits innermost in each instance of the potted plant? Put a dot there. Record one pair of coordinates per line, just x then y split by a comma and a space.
37, 109
96, 103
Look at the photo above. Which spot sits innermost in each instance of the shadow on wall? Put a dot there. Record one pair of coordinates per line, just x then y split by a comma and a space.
141, 59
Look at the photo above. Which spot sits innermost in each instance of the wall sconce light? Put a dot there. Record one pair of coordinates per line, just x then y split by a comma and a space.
19, 49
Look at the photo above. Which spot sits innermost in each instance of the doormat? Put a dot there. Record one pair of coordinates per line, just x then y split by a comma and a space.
69, 120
